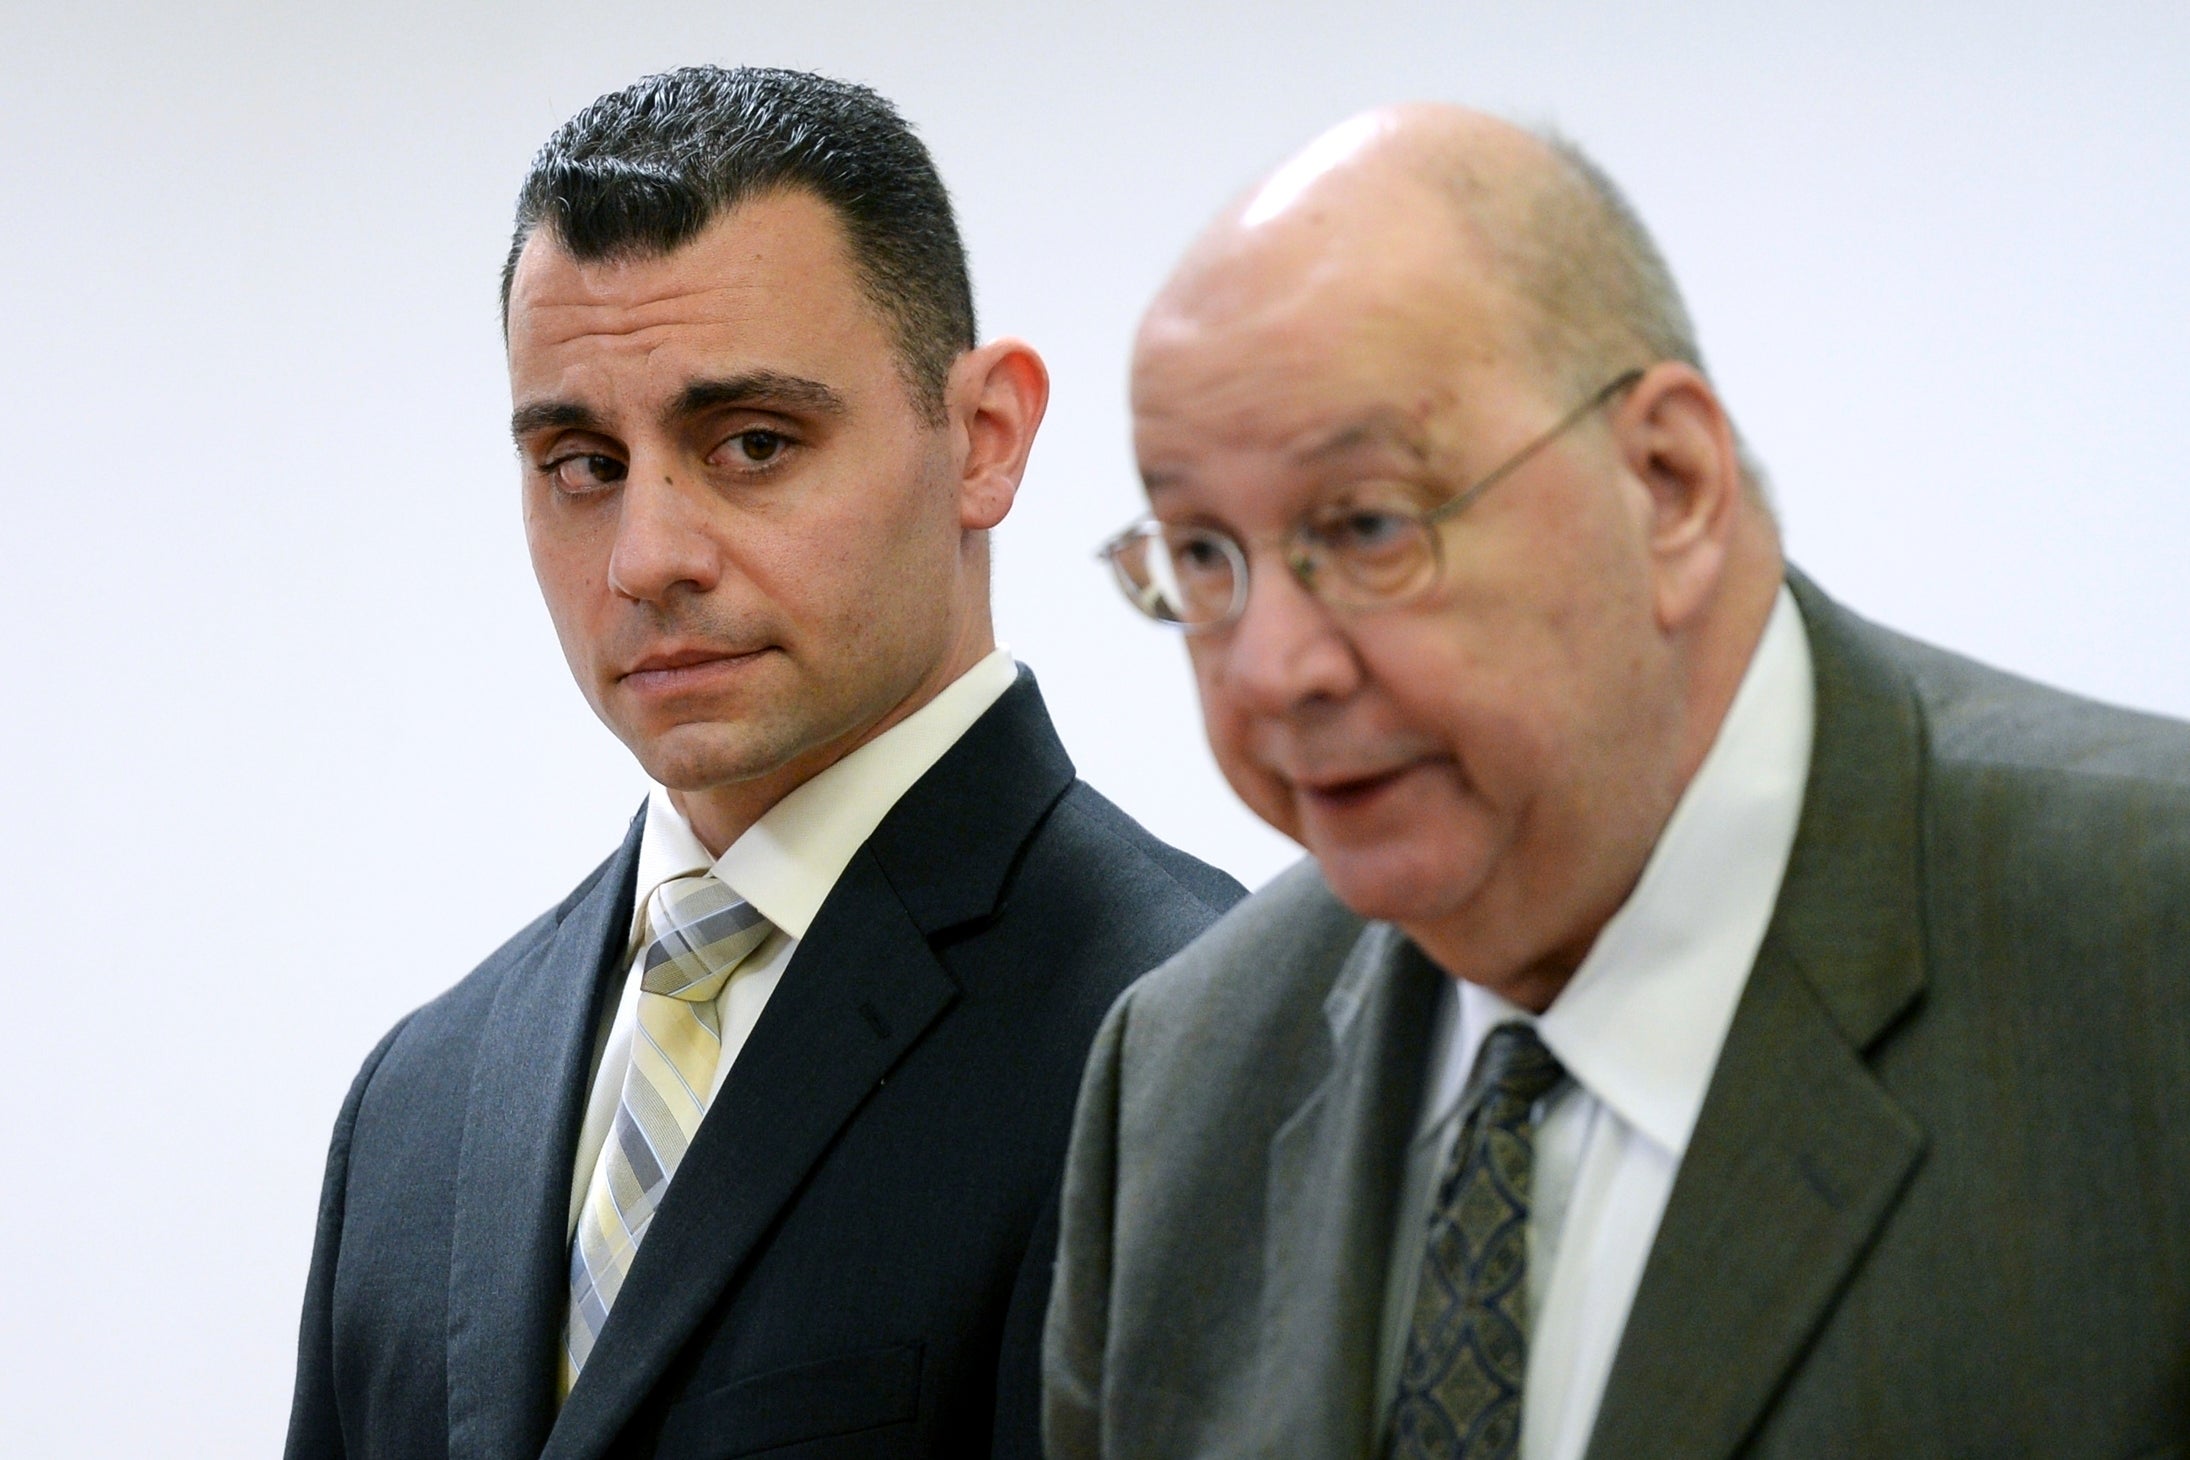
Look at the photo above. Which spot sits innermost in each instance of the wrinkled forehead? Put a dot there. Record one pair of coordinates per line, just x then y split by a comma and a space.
1342, 359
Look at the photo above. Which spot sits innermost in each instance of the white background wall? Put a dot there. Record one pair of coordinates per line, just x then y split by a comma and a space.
287, 745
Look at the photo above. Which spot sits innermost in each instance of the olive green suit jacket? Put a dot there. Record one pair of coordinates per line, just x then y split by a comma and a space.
1938, 1199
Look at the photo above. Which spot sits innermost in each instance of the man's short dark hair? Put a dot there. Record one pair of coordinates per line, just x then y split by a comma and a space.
644, 170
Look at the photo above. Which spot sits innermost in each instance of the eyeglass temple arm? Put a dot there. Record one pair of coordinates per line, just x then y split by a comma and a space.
1527, 453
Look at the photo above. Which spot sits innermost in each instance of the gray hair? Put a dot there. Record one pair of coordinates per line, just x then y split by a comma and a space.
1601, 295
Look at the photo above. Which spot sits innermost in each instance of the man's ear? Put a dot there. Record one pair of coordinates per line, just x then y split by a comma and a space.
1678, 443
997, 395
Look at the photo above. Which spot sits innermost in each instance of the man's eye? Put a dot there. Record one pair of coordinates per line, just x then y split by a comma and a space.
757, 447
1366, 530
1198, 554
584, 472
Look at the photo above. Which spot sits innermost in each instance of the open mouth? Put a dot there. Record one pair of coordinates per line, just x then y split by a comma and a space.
1350, 791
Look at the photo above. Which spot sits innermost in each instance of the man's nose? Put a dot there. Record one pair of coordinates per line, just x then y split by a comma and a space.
1285, 649
663, 541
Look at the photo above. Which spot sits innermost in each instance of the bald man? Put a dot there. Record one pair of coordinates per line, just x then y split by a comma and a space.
1708, 1024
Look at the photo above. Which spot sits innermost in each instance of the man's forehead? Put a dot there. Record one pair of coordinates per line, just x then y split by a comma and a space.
1181, 458
765, 291
1300, 355
1314, 388
1304, 407
1339, 312
776, 248
549, 278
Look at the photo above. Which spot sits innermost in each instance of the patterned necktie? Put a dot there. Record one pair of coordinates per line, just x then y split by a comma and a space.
702, 931
1467, 1348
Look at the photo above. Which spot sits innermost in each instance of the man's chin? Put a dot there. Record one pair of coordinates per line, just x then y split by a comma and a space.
1412, 887
699, 758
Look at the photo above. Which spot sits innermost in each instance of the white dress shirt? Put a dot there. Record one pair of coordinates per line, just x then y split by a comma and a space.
1638, 1029
785, 864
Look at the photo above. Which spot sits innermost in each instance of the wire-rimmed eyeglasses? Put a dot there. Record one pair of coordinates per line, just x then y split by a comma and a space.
1370, 550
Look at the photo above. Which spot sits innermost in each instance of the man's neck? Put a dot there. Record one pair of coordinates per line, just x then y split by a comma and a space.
1717, 665
720, 814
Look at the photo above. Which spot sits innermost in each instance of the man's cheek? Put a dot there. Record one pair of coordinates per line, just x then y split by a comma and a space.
1267, 794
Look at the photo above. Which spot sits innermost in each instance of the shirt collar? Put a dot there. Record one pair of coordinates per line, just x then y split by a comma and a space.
786, 863
1641, 1023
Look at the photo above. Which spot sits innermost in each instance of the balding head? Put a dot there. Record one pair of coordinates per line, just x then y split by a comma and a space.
1530, 219
1425, 301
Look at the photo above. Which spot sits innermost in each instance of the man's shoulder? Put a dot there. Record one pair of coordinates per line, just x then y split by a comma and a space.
1984, 719
456, 1015
1088, 828
1256, 980
1001, 827
2080, 808
1091, 901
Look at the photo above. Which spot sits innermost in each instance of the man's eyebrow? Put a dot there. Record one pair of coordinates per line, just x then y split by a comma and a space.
542, 415
1384, 429
768, 388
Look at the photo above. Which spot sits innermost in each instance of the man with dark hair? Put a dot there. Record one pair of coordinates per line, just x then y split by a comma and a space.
1710, 1025
644, 170
752, 1143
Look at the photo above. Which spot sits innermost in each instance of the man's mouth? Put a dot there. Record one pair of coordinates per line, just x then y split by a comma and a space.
1352, 788
684, 667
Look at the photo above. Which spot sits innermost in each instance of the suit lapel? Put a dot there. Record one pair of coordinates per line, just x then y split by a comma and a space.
863, 987
509, 1251
861, 990
1332, 1201
1799, 1154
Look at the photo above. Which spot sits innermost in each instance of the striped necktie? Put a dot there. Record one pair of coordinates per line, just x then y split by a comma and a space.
1467, 1349
701, 932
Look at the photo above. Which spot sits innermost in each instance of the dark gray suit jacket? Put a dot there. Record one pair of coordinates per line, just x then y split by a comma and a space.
854, 1257
1938, 1199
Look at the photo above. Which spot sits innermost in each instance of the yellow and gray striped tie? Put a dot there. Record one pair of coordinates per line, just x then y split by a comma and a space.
702, 931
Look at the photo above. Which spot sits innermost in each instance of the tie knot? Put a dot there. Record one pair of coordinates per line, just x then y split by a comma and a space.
702, 932
1516, 1066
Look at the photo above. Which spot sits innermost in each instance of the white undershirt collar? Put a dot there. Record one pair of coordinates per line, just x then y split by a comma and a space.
786, 863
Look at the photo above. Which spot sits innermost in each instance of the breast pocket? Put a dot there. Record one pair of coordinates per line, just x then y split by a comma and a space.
824, 1399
